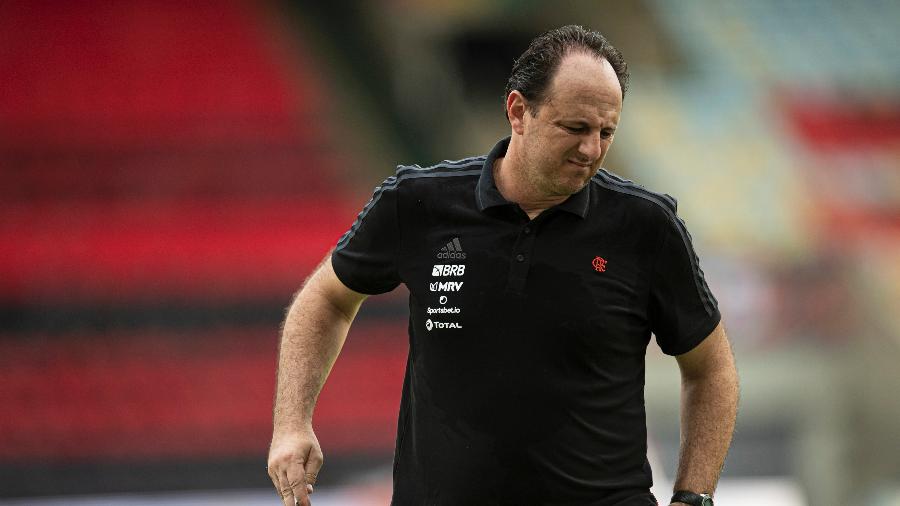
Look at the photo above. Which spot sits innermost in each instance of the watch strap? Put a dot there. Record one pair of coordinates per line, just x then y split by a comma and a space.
692, 498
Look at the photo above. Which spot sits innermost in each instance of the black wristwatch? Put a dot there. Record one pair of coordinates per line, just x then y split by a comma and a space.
692, 498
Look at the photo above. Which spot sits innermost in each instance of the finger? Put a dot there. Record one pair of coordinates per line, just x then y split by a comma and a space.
285, 490
297, 481
313, 466
276, 481
310, 481
274, 478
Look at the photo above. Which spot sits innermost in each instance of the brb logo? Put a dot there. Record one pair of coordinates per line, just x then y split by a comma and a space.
448, 270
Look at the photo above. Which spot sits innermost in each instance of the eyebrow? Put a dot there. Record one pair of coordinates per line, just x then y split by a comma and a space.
583, 123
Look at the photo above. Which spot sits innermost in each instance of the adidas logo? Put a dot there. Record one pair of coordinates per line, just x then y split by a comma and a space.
453, 250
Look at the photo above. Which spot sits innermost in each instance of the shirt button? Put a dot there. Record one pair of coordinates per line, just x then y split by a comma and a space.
527, 230
520, 257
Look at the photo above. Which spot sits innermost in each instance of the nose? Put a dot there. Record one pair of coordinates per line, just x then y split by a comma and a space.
591, 146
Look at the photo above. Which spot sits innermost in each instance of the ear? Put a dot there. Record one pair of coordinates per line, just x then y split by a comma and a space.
516, 110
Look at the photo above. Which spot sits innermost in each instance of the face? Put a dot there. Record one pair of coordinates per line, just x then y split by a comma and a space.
565, 140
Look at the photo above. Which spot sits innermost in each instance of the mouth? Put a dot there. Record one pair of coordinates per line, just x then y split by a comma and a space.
585, 165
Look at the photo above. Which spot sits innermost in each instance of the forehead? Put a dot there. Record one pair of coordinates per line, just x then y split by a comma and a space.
585, 81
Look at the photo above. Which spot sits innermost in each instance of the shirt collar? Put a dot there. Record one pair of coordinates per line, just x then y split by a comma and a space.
487, 194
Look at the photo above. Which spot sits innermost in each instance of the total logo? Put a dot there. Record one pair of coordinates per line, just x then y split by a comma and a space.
441, 325
448, 270
445, 286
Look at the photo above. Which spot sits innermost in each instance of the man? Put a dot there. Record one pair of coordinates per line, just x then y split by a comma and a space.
536, 280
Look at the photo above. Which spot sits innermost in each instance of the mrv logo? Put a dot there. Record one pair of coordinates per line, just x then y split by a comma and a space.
441, 325
452, 251
445, 286
448, 270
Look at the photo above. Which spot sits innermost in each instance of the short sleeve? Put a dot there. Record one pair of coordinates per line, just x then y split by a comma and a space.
365, 258
683, 311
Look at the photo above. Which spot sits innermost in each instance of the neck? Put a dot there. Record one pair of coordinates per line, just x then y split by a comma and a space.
514, 188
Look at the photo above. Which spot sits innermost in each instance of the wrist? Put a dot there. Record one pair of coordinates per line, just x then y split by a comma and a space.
687, 498
292, 427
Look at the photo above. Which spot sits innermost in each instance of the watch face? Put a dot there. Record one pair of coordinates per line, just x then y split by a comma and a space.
707, 501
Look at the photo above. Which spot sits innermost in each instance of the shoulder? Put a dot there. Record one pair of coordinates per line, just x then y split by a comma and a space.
636, 197
407, 175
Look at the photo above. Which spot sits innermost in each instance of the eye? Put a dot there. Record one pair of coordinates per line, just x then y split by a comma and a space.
607, 134
575, 129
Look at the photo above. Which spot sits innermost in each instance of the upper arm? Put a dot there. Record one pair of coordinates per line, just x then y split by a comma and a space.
326, 284
711, 355
367, 257
681, 308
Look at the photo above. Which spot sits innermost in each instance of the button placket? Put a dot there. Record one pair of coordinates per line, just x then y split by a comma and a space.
521, 259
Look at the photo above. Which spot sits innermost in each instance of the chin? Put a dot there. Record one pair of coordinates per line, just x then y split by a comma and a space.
578, 181
570, 187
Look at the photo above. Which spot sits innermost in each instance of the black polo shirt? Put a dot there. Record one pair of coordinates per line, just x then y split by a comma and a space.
525, 377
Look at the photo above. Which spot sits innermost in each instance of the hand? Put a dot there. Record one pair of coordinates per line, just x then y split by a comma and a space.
294, 462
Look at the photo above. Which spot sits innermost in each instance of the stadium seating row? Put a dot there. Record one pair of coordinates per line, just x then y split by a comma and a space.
168, 395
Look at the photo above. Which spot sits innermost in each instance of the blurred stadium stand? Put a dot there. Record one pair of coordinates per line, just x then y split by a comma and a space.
170, 172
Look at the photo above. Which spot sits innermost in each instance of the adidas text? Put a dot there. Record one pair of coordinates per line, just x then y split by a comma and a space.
452, 251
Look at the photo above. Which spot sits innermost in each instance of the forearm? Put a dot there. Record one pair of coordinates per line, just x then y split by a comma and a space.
313, 334
708, 412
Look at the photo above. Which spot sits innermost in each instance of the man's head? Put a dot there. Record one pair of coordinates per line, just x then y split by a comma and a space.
563, 103
534, 69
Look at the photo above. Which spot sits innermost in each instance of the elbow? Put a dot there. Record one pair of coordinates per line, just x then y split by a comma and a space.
719, 375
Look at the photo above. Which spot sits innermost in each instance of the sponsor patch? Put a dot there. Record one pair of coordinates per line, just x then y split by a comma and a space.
452, 251
448, 270
429, 324
443, 310
445, 286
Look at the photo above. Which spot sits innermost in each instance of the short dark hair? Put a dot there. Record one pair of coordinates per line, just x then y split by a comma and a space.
535, 68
